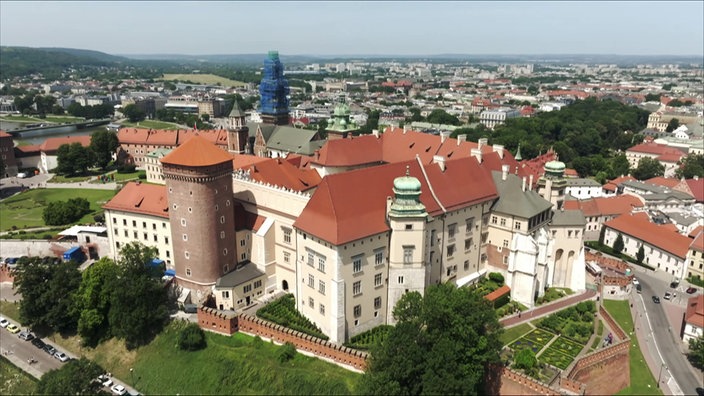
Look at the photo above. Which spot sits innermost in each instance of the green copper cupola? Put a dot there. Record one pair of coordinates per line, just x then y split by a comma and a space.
406, 202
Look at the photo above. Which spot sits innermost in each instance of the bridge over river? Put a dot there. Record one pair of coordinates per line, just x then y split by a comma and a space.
52, 129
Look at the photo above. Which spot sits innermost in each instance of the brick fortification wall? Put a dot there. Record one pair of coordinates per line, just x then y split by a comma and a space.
612, 324
504, 381
303, 342
221, 322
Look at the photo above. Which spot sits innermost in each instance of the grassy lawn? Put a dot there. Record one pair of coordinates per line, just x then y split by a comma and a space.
14, 381
152, 124
642, 381
24, 210
10, 310
203, 79
41, 234
69, 179
49, 118
511, 334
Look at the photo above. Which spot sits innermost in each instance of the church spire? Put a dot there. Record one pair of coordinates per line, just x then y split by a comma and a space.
518, 154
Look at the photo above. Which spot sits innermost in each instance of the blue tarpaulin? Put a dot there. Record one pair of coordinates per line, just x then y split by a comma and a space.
170, 272
157, 262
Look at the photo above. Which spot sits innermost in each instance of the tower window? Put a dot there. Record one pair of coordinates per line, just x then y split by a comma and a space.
224, 252
222, 219
183, 222
188, 272
185, 237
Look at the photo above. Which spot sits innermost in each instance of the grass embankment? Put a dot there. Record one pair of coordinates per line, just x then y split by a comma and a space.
642, 380
511, 334
48, 119
24, 210
203, 79
14, 381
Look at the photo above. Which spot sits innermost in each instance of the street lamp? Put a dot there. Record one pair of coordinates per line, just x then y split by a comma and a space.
659, 375
132, 375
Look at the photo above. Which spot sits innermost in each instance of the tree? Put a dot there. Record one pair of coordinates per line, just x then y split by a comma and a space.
133, 113
648, 168
286, 352
692, 165
103, 144
77, 377
619, 166
652, 98
440, 116
672, 125
138, 302
602, 233
696, 351
73, 159
525, 359
442, 343
48, 293
618, 244
65, 212
92, 301
192, 338
640, 255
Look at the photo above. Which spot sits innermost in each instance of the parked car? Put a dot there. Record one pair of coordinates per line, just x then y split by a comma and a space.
668, 295
48, 348
691, 290
118, 390
4, 322
107, 382
37, 342
635, 282
61, 356
656, 299
25, 335
12, 328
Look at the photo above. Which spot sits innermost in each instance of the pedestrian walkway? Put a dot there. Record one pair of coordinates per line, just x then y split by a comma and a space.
543, 310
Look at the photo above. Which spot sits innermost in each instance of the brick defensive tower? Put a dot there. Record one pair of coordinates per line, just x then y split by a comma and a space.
199, 189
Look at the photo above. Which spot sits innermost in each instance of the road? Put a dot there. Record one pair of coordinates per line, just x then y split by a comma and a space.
19, 352
664, 328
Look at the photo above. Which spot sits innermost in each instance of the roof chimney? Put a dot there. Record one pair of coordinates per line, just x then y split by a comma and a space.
482, 142
375, 132
440, 160
405, 128
504, 172
443, 136
404, 131
530, 182
523, 186
477, 153
498, 148
461, 139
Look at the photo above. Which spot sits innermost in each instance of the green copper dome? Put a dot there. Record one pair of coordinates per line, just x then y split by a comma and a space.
407, 197
555, 168
406, 184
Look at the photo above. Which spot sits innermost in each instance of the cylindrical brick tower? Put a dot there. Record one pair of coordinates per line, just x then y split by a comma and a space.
199, 189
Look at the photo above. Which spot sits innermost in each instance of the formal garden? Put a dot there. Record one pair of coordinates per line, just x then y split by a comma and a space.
364, 341
283, 311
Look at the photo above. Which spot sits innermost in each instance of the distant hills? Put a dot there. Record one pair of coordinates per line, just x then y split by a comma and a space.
23, 61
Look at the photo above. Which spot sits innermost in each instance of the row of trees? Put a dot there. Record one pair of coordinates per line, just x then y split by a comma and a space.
65, 212
124, 299
91, 112
75, 159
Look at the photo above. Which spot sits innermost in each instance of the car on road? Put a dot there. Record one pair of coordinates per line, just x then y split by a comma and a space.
667, 295
12, 328
61, 356
48, 348
118, 389
656, 299
25, 335
691, 290
37, 342
635, 282
4, 322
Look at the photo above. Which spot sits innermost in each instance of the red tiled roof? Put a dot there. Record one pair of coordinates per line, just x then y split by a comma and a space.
695, 311
196, 151
242, 161
663, 181
696, 186
657, 149
338, 213
156, 137
51, 145
698, 242
4, 134
350, 152
141, 198
606, 206
503, 290
28, 150
695, 232
639, 226
613, 184
279, 172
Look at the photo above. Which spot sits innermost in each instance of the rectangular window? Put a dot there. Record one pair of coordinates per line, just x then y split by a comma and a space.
468, 244
451, 229
503, 222
357, 288
242, 242
287, 235
494, 219
432, 237
379, 257
356, 264
144, 224
247, 289
114, 220
134, 234
321, 264
124, 222
225, 294
287, 257
466, 265
400, 280
156, 238
517, 225
409, 227
377, 279
311, 280
134, 223
311, 259
322, 309
377, 302
311, 302
145, 236
451, 250
257, 284
321, 287
153, 226
505, 242
470, 224
357, 311
166, 240
408, 254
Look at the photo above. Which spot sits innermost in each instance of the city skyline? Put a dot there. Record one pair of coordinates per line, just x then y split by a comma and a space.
358, 28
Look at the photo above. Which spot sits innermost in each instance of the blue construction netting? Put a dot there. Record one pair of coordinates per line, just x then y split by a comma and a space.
273, 89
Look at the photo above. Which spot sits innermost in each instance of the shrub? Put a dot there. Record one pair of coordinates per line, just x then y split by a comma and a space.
65, 212
497, 277
257, 342
126, 168
525, 359
99, 218
191, 338
286, 352
142, 175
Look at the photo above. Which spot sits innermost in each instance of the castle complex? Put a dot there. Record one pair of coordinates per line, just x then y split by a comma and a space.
351, 228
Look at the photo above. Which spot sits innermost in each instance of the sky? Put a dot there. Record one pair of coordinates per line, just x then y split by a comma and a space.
358, 28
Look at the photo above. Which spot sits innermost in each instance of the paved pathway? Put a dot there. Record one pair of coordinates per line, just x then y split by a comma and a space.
543, 310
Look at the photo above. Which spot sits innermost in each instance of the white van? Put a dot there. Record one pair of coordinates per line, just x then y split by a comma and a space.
21, 175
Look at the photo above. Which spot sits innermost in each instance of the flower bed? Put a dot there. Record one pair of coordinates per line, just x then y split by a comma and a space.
556, 358
283, 311
535, 340
566, 346
366, 340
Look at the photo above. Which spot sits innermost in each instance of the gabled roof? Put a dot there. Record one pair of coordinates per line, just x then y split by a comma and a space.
156, 137
695, 311
696, 186
135, 197
353, 151
698, 242
663, 181
514, 201
568, 218
612, 185
197, 151
352, 205
606, 206
51, 145
279, 172
638, 226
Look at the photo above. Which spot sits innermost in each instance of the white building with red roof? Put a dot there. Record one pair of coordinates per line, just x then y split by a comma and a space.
597, 211
695, 256
694, 318
666, 155
665, 249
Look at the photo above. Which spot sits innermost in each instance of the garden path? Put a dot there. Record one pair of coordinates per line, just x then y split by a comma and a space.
553, 339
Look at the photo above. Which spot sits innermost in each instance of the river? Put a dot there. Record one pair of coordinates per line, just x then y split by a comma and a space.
9, 126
